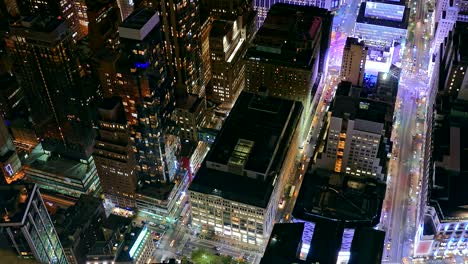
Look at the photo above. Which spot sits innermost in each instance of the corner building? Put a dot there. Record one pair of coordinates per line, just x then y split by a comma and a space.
238, 187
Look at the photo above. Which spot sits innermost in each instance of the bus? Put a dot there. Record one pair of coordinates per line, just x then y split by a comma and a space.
184, 213
291, 192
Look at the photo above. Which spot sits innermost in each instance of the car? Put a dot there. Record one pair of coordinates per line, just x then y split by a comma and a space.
172, 243
216, 248
281, 204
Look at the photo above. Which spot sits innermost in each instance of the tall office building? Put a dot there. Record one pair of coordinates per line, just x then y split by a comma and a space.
445, 219
354, 61
223, 9
288, 54
55, 83
189, 116
65, 9
263, 6
80, 9
206, 22
463, 11
103, 18
181, 33
12, 101
239, 185
356, 138
113, 154
147, 94
454, 60
26, 227
446, 15
227, 46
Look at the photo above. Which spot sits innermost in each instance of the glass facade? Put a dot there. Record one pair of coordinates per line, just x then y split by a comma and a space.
35, 236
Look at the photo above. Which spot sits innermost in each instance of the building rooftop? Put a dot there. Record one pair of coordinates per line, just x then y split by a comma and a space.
41, 30
55, 166
191, 103
117, 222
284, 244
15, 200
138, 19
111, 110
139, 24
76, 217
362, 18
281, 37
359, 108
328, 195
98, 4
252, 144
392, 2
156, 190
220, 28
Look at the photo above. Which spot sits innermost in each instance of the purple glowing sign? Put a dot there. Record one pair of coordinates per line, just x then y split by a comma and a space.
140, 65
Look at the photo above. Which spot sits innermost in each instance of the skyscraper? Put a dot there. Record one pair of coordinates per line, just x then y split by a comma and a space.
64, 9
354, 61
180, 24
104, 18
227, 46
113, 154
288, 53
26, 226
446, 14
147, 94
55, 84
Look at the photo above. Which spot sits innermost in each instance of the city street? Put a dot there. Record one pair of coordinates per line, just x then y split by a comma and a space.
403, 198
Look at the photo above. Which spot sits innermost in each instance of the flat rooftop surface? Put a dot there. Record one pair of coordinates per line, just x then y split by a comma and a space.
281, 37
257, 119
359, 108
284, 243
269, 123
55, 166
325, 194
361, 18
160, 191
138, 18
191, 102
220, 28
